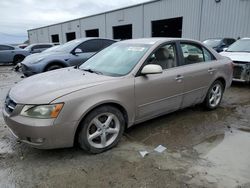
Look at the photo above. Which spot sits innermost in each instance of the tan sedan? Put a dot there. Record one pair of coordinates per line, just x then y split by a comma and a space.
127, 83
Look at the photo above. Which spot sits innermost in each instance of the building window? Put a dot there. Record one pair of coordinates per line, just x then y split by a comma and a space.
122, 32
92, 33
167, 28
70, 36
55, 38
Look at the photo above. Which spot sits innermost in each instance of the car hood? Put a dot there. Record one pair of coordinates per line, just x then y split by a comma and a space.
35, 57
237, 56
46, 87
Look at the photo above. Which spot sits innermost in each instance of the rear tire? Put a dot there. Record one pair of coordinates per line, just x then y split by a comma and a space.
101, 129
53, 67
214, 95
18, 59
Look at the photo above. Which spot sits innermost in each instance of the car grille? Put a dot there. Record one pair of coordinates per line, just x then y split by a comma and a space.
237, 72
240, 62
10, 105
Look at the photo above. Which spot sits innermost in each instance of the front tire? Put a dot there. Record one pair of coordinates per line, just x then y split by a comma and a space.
101, 129
214, 95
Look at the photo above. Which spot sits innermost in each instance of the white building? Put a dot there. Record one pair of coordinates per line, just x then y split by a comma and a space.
196, 19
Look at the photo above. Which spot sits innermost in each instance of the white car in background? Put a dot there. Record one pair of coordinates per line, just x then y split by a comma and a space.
239, 53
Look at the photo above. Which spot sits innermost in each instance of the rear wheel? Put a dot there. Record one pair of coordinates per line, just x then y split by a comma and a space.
101, 129
53, 67
214, 95
18, 59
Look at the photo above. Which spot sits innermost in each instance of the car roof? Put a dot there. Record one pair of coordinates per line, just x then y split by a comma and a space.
155, 40
41, 44
246, 38
219, 38
7, 45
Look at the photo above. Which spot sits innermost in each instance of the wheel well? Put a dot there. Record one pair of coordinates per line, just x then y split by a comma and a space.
223, 81
18, 56
118, 106
54, 63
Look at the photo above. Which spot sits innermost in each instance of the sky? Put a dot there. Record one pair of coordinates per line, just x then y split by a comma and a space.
17, 16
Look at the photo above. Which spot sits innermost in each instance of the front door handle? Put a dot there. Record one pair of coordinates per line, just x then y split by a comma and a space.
179, 78
211, 70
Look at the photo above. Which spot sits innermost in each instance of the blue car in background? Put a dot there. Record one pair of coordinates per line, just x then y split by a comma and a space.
12, 55
218, 44
72, 53
38, 48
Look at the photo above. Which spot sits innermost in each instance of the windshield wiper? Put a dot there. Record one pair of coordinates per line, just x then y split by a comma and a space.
93, 71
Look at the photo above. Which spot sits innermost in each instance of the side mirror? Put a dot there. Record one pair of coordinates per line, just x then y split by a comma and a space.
225, 49
77, 51
151, 69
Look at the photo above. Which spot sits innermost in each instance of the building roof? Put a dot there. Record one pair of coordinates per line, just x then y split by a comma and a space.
131, 6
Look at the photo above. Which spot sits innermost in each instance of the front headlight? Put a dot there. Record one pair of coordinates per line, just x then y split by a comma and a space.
42, 111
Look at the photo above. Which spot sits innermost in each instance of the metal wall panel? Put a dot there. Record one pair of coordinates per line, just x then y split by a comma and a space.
133, 15
56, 30
95, 22
228, 18
43, 35
72, 26
201, 19
33, 36
188, 9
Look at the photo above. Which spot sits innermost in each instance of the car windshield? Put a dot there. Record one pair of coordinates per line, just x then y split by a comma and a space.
212, 42
67, 47
116, 60
242, 45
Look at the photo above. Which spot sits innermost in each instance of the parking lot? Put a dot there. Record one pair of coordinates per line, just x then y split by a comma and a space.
204, 149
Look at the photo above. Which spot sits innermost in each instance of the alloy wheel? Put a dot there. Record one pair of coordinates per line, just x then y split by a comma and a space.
103, 130
215, 95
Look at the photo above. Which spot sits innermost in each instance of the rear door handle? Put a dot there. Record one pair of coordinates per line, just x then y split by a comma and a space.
179, 78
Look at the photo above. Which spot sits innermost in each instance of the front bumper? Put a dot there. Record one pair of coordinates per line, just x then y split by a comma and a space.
29, 70
241, 72
40, 133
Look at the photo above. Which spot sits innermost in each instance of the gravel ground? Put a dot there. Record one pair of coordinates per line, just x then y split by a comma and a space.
204, 149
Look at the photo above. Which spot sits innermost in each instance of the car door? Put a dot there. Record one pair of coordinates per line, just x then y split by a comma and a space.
158, 94
199, 68
6, 54
88, 49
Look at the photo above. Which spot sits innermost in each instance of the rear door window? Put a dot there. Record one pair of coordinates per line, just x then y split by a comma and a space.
4, 48
45, 46
106, 43
208, 56
230, 41
91, 46
194, 53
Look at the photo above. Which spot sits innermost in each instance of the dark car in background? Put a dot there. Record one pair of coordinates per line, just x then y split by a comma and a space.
72, 53
218, 44
11, 55
38, 48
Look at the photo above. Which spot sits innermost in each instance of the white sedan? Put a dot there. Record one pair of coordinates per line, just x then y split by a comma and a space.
239, 52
